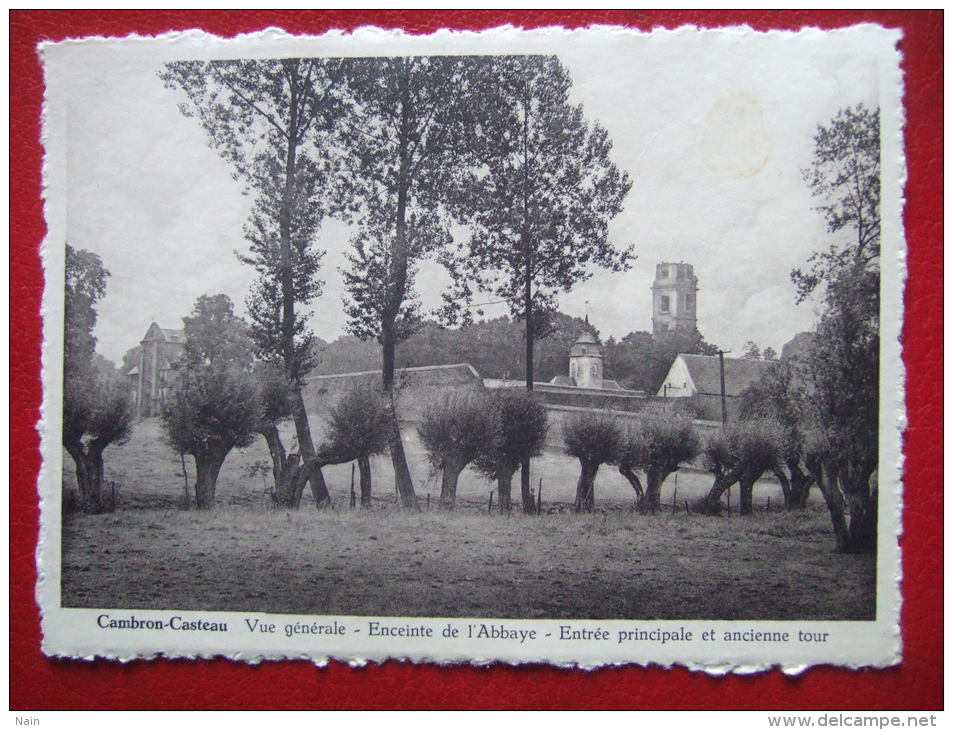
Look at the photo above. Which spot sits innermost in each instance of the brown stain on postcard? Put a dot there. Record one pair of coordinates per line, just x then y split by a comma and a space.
736, 142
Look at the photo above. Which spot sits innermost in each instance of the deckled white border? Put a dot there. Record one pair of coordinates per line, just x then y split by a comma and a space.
59, 640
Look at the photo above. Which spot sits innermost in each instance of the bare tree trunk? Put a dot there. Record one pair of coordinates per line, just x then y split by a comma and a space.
319, 488
786, 489
404, 481
746, 488
585, 487
795, 488
863, 526
710, 504
801, 482
207, 467
634, 480
283, 467
299, 475
526, 492
826, 474
448, 485
402, 478
504, 489
863, 508
186, 494
364, 466
654, 478
89, 475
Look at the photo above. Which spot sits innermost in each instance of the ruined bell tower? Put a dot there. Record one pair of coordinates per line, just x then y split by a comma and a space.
674, 298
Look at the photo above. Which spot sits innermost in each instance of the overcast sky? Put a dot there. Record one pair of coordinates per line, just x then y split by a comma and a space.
713, 130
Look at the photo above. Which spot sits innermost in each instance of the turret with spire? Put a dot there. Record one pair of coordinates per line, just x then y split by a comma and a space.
586, 360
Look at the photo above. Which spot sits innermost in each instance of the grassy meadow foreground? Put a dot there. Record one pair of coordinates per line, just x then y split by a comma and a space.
615, 563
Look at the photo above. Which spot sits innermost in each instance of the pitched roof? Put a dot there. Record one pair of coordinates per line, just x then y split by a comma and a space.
739, 373
155, 332
586, 344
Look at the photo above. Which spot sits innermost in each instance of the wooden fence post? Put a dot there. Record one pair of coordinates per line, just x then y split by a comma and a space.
539, 498
490, 508
728, 495
675, 496
353, 495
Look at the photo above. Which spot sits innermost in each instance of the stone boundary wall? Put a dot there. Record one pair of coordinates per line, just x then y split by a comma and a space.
558, 415
414, 387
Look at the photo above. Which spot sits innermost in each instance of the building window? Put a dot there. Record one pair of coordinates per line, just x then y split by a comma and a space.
664, 304
688, 302
663, 273
572, 370
594, 371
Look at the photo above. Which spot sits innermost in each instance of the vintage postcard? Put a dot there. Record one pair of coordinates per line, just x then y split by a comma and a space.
575, 347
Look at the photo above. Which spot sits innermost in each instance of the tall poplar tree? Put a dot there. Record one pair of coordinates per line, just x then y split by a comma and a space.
539, 197
844, 364
403, 142
273, 120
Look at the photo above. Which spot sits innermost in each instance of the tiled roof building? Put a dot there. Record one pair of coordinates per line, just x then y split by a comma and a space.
153, 378
699, 377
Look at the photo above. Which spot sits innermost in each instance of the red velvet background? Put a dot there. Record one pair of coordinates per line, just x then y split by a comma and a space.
40, 683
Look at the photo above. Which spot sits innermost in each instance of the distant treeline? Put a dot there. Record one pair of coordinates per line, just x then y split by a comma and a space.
495, 348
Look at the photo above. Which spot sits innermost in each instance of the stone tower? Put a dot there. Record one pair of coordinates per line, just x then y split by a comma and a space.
585, 361
673, 298
155, 374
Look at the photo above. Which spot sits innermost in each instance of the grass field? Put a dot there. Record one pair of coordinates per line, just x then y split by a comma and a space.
612, 564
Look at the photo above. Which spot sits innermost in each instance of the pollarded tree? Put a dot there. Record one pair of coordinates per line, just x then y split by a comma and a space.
741, 454
522, 423
657, 447
594, 439
214, 410
539, 197
273, 120
455, 430
215, 406
274, 395
781, 395
97, 409
402, 146
97, 412
359, 427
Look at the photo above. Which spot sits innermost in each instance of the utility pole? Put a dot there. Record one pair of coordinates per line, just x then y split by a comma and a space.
724, 401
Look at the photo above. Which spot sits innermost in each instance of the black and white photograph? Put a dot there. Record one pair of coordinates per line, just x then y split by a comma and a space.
566, 346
